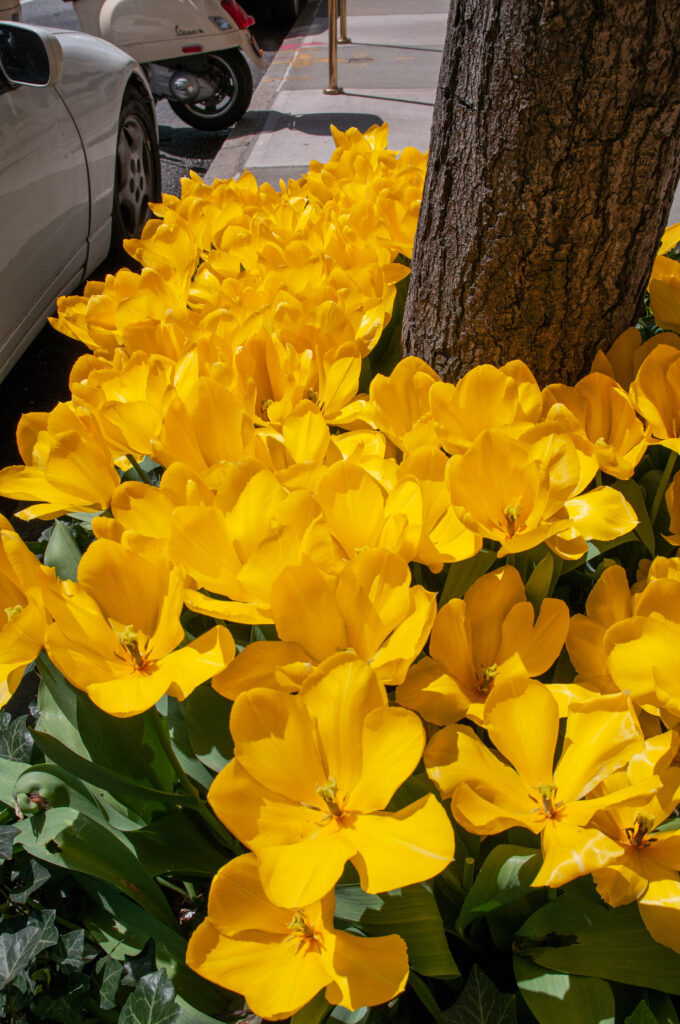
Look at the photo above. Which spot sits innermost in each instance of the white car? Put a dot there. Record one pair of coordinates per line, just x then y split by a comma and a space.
79, 164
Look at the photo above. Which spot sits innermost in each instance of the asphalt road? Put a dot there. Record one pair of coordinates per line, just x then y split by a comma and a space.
40, 378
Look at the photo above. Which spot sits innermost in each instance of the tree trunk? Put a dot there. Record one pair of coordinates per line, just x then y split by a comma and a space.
553, 163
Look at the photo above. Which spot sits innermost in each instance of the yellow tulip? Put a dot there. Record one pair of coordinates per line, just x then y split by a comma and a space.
485, 398
310, 778
664, 293
117, 633
23, 615
279, 959
236, 548
399, 404
68, 467
604, 421
490, 793
479, 641
655, 393
369, 609
522, 493
627, 353
647, 856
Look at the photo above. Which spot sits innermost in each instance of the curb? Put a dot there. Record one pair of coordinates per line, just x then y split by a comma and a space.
231, 160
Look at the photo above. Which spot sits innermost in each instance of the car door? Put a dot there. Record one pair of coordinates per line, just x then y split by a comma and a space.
44, 209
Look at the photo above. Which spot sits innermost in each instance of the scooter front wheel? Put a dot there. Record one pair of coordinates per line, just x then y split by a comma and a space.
231, 75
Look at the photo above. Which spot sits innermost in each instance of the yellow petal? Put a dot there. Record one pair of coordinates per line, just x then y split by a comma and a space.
368, 971
399, 849
255, 666
659, 910
570, 851
274, 741
392, 744
523, 721
602, 735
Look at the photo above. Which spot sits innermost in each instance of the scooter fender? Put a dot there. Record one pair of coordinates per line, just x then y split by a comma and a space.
157, 30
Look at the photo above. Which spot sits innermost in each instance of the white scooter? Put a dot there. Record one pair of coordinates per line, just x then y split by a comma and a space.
191, 50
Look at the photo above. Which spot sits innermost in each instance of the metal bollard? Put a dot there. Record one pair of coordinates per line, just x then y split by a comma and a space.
333, 88
344, 38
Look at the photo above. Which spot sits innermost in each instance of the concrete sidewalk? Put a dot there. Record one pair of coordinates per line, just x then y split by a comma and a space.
389, 73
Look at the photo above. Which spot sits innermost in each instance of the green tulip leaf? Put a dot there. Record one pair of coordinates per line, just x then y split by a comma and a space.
62, 552
411, 912
506, 875
569, 999
69, 839
575, 936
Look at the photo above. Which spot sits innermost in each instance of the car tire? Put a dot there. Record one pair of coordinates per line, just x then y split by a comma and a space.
234, 92
138, 170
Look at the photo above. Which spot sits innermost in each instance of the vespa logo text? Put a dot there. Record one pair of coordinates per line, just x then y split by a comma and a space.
188, 31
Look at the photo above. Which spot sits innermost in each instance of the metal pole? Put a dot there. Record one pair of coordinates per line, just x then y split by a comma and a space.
344, 38
333, 88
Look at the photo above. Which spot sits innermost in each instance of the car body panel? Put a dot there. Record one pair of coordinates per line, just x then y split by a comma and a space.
44, 199
92, 85
57, 180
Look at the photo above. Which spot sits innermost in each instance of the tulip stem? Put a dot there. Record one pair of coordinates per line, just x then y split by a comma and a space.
138, 469
662, 487
197, 803
468, 873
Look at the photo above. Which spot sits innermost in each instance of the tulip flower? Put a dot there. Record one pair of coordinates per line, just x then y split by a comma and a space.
603, 422
522, 493
490, 793
117, 633
279, 959
485, 398
309, 781
477, 641
68, 465
369, 609
24, 583
655, 393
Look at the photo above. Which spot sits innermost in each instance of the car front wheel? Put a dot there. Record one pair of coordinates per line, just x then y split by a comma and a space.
138, 172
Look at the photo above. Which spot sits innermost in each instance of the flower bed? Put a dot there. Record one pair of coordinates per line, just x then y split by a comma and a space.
387, 663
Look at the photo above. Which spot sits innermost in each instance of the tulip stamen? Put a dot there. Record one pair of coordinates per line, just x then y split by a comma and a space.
128, 639
547, 794
328, 792
488, 675
512, 514
306, 934
12, 612
637, 835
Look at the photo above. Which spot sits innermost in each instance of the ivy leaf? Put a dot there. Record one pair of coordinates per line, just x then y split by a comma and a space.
480, 1002
16, 741
31, 875
152, 1002
67, 1008
137, 967
7, 834
73, 949
111, 972
19, 947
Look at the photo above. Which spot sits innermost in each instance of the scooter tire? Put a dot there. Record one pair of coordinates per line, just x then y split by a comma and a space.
232, 67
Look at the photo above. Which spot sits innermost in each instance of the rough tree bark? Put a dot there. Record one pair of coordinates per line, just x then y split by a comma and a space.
554, 157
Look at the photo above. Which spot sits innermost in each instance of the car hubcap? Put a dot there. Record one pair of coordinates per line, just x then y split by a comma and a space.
135, 175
